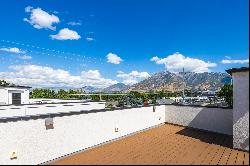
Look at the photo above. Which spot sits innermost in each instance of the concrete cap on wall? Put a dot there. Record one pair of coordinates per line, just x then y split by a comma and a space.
234, 70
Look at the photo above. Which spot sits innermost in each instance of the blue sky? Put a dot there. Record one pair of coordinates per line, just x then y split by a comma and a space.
196, 34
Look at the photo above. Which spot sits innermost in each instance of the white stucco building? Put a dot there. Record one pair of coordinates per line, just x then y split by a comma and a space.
15, 95
240, 107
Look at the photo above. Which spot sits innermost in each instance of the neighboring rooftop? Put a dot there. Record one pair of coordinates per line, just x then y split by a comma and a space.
167, 144
233, 70
16, 86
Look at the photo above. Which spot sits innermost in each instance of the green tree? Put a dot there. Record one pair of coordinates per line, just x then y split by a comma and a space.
43, 93
136, 94
188, 93
62, 94
161, 94
95, 97
227, 93
145, 97
52, 94
4, 83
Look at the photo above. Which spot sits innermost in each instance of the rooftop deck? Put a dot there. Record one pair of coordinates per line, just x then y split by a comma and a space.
167, 144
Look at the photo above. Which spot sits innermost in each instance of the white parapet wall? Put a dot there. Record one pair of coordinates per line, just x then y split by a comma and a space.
211, 119
33, 144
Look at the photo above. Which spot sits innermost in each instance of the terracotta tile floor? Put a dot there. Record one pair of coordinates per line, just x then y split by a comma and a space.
166, 144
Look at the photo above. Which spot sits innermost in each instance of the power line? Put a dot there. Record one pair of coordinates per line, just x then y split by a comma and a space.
81, 58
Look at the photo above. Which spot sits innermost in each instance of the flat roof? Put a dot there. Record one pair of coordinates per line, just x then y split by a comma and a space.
234, 70
163, 145
15, 86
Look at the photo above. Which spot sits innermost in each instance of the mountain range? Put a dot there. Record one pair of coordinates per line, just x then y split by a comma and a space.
119, 87
173, 82
116, 88
91, 89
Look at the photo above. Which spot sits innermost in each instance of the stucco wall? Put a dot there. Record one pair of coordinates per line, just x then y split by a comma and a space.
241, 110
25, 97
34, 144
3, 96
211, 119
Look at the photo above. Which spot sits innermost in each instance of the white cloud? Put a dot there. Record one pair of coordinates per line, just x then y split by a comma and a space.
155, 59
89, 39
132, 77
227, 61
228, 57
72, 23
113, 58
28, 9
40, 18
13, 50
66, 34
91, 74
25, 57
176, 62
41, 76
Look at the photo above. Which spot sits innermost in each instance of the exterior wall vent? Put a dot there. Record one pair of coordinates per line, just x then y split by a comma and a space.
49, 123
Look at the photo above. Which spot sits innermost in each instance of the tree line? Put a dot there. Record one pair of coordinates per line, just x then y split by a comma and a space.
53, 94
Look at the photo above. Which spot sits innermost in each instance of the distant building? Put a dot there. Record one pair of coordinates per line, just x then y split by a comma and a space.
15, 95
177, 99
208, 93
240, 107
